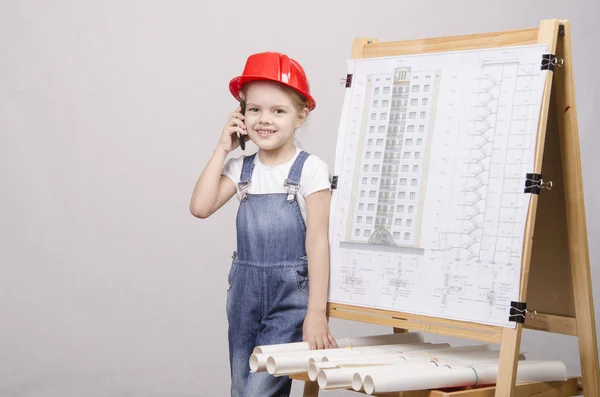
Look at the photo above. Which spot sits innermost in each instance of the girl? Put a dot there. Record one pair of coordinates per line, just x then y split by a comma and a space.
282, 221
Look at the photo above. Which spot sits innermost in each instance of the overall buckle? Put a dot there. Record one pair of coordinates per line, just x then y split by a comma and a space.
292, 190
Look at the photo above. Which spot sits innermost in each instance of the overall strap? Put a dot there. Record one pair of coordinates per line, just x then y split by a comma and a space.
246, 176
293, 180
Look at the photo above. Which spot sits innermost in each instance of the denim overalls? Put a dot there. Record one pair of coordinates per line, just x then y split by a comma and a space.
267, 297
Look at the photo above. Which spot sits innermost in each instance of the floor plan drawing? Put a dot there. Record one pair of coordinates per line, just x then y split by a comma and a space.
432, 154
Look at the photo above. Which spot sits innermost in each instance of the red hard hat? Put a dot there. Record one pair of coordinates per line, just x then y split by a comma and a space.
273, 66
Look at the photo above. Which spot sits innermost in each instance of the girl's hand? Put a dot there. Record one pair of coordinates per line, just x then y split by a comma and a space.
315, 331
235, 125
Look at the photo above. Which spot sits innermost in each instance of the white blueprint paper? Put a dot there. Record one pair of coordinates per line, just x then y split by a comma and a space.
429, 213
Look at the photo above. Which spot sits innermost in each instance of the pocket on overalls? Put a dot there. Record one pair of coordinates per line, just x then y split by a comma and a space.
302, 280
231, 275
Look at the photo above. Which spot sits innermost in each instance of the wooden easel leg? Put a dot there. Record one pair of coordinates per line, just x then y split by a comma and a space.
311, 389
507, 364
576, 219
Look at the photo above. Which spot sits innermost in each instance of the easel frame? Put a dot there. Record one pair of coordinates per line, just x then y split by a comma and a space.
571, 312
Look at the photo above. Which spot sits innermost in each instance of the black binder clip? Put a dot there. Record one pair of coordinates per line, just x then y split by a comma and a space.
549, 61
347, 81
517, 312
534, 183
334, 182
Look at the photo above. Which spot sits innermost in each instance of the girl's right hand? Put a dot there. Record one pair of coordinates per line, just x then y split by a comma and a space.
235, 124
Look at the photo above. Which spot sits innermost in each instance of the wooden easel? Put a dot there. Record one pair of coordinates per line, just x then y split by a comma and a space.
555, 254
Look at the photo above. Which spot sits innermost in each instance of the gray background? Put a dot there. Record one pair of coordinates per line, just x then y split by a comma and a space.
108, 112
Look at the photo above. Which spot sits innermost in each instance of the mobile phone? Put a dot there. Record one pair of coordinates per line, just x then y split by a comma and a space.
242, 137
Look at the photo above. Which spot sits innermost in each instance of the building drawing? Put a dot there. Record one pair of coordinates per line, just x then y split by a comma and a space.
390, 177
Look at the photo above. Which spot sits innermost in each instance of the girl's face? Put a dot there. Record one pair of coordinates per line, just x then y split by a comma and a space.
271, 116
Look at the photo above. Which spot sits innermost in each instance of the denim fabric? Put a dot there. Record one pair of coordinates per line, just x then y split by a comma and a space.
268, 290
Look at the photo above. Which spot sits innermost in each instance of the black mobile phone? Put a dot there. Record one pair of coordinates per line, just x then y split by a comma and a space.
242, 137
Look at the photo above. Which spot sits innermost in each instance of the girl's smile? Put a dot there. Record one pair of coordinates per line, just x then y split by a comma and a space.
264, 133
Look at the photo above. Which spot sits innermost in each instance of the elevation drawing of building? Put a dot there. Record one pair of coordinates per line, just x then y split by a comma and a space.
390, 176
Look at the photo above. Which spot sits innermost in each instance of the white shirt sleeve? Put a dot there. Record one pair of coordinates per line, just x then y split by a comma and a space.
315, 176
233, 168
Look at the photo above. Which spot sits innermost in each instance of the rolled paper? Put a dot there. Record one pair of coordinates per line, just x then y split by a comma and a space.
481, 357
490, 357
527, 371
438, 350
373, 340
406, 367
297, 362
288, 364
283, 347
258, 362
476, 374
466, 361
458, 350
315, 366
335, 378
342, 377
385, 339
356, 363
332, 355
391, 381
467, 356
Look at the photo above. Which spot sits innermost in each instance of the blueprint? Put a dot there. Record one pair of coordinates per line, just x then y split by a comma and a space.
429, 212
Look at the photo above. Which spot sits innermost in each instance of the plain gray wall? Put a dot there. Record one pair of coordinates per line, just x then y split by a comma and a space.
108, 112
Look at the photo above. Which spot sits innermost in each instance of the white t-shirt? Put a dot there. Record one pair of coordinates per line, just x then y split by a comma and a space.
269, 179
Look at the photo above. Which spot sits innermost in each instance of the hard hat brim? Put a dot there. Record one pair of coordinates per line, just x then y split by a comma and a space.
236, 84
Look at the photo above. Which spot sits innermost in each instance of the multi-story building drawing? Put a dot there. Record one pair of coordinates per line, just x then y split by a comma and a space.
390, 176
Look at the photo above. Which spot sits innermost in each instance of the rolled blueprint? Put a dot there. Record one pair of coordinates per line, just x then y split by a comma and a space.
373, 340
314, 366
297, 362
342, 377
475, 374
482, 356
258, 362
351, 376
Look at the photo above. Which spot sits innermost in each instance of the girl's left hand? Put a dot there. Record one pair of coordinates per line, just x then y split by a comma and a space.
315, 331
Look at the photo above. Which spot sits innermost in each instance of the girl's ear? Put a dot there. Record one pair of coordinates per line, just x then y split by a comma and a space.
302, 116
